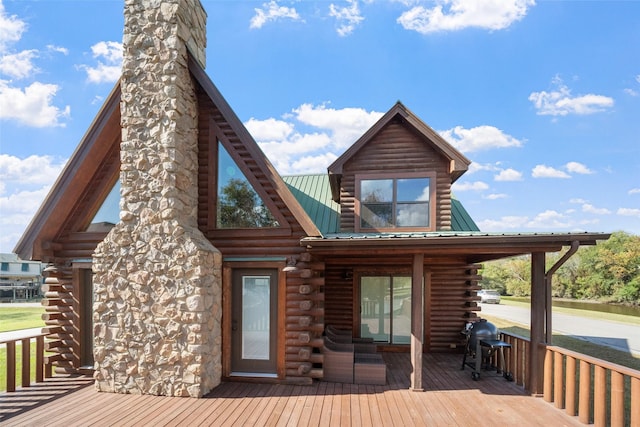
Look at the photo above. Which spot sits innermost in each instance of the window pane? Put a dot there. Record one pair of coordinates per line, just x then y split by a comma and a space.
401, 333
376, 215
376, 190
239, 206
413, 215
255, 317
413, 190
374, 308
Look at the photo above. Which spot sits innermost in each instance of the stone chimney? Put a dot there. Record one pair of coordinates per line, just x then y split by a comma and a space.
157, 283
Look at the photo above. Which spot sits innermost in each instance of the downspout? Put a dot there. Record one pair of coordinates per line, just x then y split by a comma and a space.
548, 277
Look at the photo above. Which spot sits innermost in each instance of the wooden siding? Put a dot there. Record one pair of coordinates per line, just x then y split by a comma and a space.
396, 150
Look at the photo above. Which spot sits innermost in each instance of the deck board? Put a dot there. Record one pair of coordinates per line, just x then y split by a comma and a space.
450, 398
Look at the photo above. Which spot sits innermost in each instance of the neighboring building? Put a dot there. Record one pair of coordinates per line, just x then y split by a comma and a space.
19, 280
217, 268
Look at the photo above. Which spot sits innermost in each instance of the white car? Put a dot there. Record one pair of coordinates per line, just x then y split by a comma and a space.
489, 296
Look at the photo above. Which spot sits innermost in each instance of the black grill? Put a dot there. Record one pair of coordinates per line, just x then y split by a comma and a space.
481, 344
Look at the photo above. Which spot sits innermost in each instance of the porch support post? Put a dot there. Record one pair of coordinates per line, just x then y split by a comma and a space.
417, 321
538, 317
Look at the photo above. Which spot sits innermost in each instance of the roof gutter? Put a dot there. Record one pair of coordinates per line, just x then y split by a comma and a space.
548, 277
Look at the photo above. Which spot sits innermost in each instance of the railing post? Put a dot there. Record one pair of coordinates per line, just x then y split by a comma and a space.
11, 366
570, 392
617, 399
548, 376
584, 393
26, 362
635, 396
39, 358
599, 393
558, 379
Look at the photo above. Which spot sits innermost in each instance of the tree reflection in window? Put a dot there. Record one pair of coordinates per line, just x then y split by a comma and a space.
239, 206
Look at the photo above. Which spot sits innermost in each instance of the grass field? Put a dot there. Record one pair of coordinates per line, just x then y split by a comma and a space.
14, 318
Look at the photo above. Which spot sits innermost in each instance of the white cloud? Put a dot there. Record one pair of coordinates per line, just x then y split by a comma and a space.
345, 125
504, 223
630, 92
11, 28
634, 191
479, 138
560, 102
589, 208
477, 167
542, 171
470, 186
33, 170
348, 17
509, 175
269, 129
452, 15
310, 138
18, 65
629, 212
109, 67
25, 184
495, 196
575, 167
577, 201
17, 210
549, 219
638, 78
31, 106
272, 12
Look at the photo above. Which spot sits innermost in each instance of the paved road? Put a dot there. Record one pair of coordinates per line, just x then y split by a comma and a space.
618, 335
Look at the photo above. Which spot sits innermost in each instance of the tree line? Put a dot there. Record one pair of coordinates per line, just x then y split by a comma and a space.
607, 272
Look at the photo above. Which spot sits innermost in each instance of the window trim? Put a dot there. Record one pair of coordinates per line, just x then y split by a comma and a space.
380, 176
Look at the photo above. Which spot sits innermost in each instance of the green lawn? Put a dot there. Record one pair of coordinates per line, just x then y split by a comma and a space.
13, 318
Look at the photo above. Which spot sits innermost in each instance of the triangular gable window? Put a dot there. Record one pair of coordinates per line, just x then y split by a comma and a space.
109, 213
239, 206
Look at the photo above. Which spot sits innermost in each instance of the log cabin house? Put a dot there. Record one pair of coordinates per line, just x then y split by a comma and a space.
217, 268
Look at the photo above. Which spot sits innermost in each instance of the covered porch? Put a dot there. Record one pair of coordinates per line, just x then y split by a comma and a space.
450, 398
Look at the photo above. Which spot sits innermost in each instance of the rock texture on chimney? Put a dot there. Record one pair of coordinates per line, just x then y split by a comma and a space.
157, 299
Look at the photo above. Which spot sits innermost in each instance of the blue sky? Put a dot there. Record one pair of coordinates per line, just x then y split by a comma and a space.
543, 97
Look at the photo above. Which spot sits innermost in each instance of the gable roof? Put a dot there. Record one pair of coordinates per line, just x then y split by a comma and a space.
458, 163
73, 201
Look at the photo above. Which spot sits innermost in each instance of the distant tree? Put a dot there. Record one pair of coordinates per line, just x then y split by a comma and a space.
610, 271
239, 206
510, 276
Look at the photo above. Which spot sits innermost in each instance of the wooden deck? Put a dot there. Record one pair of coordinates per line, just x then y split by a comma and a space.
451, 398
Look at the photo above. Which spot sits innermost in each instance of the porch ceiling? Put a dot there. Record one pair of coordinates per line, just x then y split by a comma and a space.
474, 246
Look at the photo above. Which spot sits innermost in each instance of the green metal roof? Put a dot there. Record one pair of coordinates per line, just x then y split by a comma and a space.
313, 192
460, 218
314, 195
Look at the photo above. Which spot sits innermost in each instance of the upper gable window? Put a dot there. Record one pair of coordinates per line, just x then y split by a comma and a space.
239, 205
391, 203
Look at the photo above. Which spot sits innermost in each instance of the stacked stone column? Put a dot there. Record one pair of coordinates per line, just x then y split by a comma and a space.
157, 283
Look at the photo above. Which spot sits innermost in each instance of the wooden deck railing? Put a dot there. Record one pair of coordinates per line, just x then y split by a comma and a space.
594, 390
42, 367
